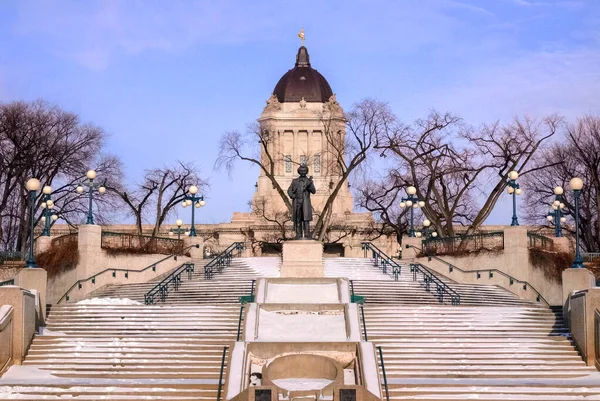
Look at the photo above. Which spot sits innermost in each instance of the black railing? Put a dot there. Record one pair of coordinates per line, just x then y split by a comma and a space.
240, 318
7, 282
537, 241
223, 259
492, 241
63, 240
364, 322
161, 290
385, 383
381, 260
220, 388
79, 283
442, 290
140, 243
10, 256
490, 274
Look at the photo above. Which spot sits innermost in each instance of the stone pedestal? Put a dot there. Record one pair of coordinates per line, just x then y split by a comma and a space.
42, 244
89, 244
562, 244
302, 258
410, 252
575, 280
35, 279
195, 252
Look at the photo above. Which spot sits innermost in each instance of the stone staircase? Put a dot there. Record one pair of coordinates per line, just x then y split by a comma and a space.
170, 352
493, 346
440, 352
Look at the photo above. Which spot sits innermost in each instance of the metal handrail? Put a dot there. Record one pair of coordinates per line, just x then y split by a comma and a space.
590, 256
156, 244
453, 243
537, 241
385, 383
174, 279
127, 271
440, 287
10, 256
381, 259
220, 388
428, 277
7, 282
222, 260
239, 330
362, 312
490, 272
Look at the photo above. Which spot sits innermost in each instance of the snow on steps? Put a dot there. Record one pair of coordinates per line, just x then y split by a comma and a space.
150, 352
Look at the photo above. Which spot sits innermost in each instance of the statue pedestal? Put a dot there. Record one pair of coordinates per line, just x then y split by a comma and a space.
302, 258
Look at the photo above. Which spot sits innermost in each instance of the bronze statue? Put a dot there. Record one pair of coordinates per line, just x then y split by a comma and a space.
299, 191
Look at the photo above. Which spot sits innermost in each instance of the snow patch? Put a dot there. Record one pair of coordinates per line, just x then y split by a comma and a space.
302, 293
109, 301
301, 326
22, 372
302, 383
45, 332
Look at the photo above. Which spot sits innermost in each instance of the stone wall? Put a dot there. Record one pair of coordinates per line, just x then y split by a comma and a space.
97, 268
513, 260
23, 319
6, 323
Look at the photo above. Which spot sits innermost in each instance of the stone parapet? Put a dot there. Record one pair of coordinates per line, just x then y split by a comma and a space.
302, 258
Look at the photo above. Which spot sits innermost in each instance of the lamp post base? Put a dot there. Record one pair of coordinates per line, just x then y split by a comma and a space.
578, 264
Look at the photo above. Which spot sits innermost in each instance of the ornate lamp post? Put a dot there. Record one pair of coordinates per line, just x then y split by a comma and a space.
557, 212
32, 185
576, 184
514, 190
426, 224
49, 215
178, 230
92, 186
196, 201
413, 202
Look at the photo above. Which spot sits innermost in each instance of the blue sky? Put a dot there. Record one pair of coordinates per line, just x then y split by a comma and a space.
166, 78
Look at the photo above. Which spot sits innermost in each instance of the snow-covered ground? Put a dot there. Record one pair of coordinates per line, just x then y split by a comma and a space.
301, 326
109, 301
302, 383
302, 293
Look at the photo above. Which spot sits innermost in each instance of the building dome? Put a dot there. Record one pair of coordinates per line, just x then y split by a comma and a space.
302, 81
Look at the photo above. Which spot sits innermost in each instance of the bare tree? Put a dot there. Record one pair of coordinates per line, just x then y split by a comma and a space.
280, 218
575, 155
453, 165
162, 189
256, 147
382, 198
39, 140
344, 153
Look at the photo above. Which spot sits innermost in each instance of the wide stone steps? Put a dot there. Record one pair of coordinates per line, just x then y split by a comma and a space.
486, 391
133, 348
430, 344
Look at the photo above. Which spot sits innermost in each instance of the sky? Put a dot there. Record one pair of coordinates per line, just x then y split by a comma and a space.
166, 79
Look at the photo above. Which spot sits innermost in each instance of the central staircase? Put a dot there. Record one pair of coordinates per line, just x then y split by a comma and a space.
493, 346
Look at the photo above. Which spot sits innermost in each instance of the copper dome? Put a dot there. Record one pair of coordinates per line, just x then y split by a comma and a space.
302, 81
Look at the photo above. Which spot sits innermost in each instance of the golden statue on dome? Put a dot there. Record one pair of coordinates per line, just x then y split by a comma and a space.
301, 35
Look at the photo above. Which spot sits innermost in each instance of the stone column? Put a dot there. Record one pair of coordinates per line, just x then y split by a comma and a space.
410, 253
23, 319
90, 250
35, 279
562, 244
42, 244
575, 280
195, 252
516, 253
